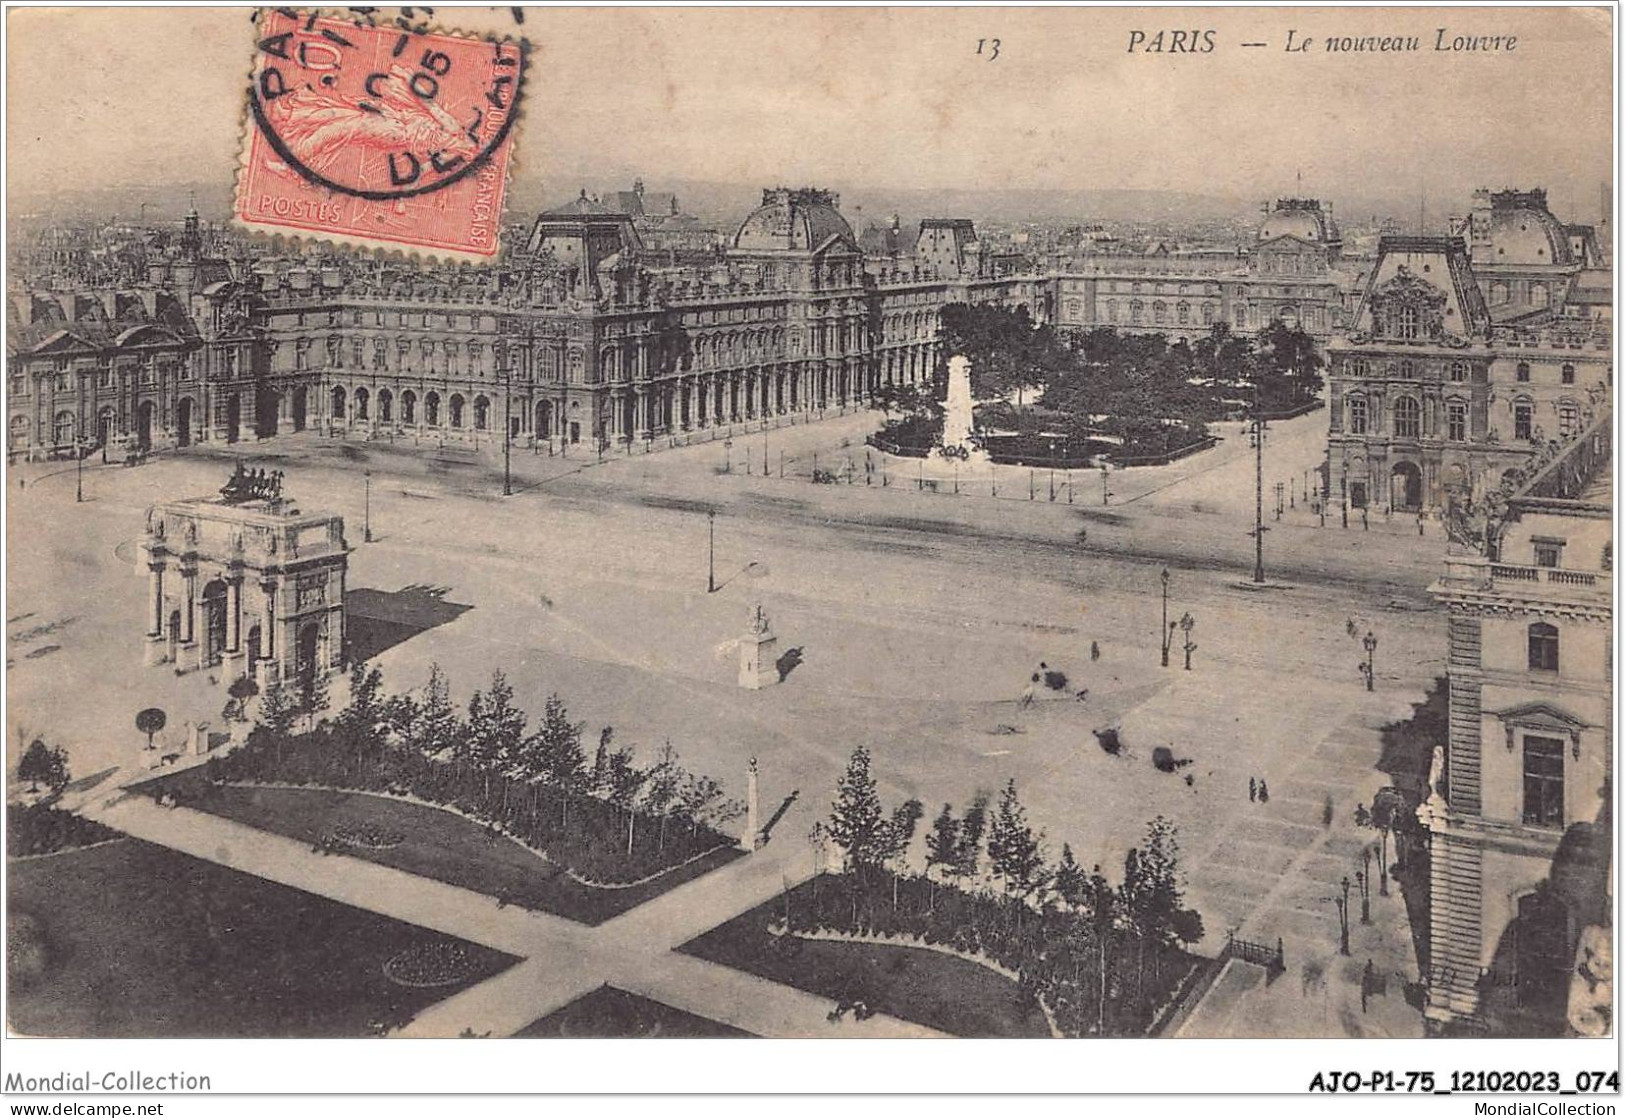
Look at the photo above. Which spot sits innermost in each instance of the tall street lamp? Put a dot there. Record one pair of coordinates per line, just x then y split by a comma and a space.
1370, 643
78, 472
1258, 426
711, 552
366, 507
1167, 630
1186, 624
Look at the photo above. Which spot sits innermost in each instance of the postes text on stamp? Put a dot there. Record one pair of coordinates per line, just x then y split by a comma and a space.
375, 135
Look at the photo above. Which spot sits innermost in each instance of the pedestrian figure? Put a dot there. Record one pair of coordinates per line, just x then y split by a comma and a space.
1252, 789
1365, 519
1027, 692
1094, 650
1362, 817
1326, 812
1083, 694
1419, 530
1368, 980
1263, 792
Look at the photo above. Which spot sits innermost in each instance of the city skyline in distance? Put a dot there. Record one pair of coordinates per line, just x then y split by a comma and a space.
1065, 111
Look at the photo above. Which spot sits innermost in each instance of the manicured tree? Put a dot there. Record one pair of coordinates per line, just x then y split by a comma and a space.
662, 789
241, 690
314, 698
553, 754
150, 721
941, 848
498, 733
1014, 849
365, 710
438, 727
856, 824
971, 829
278, 709
898, 837
35, 765
1070, 880
57, 776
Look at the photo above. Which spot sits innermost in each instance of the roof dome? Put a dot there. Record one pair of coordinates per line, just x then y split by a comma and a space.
795, 220
1524, 232
1302, 218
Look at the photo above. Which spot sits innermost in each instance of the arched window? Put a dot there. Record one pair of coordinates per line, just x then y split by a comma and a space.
1523, 372
1458, 371
1568, 374
456, 410
1184, 313
1407, 323
431, 409
386, 407
361, 403
409, 406
1523, 420
1538, 295
1407, 418
338, 402
1498, 294
1542, 647
482, 412
1359, 417
1456, 421
17, 431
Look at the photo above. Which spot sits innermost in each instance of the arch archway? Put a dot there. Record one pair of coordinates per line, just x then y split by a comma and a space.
214, 621
62, 429
409, 406
337, 409
456, 409
361, 400
143, 425
183, 421
431, 409
1405, 487
544, 419
234, 417
386, 406
482, 413
301, 407
306, 650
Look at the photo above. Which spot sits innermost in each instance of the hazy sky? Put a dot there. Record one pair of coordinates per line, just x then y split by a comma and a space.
898, 98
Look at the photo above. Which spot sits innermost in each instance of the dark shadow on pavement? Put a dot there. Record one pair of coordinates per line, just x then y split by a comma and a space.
377, 620
788, 663
777, 815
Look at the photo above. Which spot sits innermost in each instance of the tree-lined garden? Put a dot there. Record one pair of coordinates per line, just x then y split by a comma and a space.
604, 816
1103, 957
1102, 393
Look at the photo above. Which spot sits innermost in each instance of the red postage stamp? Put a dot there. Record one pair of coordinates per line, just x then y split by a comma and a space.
378, 135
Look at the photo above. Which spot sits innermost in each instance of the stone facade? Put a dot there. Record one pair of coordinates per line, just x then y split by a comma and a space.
1433, 398
253, 588
1520, 840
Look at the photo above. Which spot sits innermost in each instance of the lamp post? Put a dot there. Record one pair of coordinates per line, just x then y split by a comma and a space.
1343, 918
78, 472
507, 425
1105, 493
711, 552
1186, 624
366, 507
1258, 483
1363, 875
1370, 643
1167, 630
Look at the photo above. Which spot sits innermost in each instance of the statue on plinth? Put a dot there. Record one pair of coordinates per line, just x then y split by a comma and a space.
757, 666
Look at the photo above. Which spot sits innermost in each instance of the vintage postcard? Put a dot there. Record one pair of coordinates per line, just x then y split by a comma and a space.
868, 524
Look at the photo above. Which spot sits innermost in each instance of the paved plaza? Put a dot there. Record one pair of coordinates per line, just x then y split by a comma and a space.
919, 616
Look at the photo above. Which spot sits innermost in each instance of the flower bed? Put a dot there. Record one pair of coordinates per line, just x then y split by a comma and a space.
369, 836
438, 963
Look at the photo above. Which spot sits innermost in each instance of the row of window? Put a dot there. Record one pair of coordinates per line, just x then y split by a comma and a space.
1458, 371
1407, 418
358, 404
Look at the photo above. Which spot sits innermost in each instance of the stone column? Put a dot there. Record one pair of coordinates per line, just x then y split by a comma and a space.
153, 653
750, 839
188, 620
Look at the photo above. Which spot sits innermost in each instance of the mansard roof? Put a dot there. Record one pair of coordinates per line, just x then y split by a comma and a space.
1435, 270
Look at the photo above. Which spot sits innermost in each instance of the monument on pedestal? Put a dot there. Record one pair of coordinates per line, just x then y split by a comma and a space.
758, 667
959, 414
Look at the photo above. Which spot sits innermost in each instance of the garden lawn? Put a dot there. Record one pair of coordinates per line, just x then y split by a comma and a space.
926, 987
141, 941
440, 845
609, 1013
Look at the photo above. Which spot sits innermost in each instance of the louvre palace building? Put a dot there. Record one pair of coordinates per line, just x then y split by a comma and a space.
576, 338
